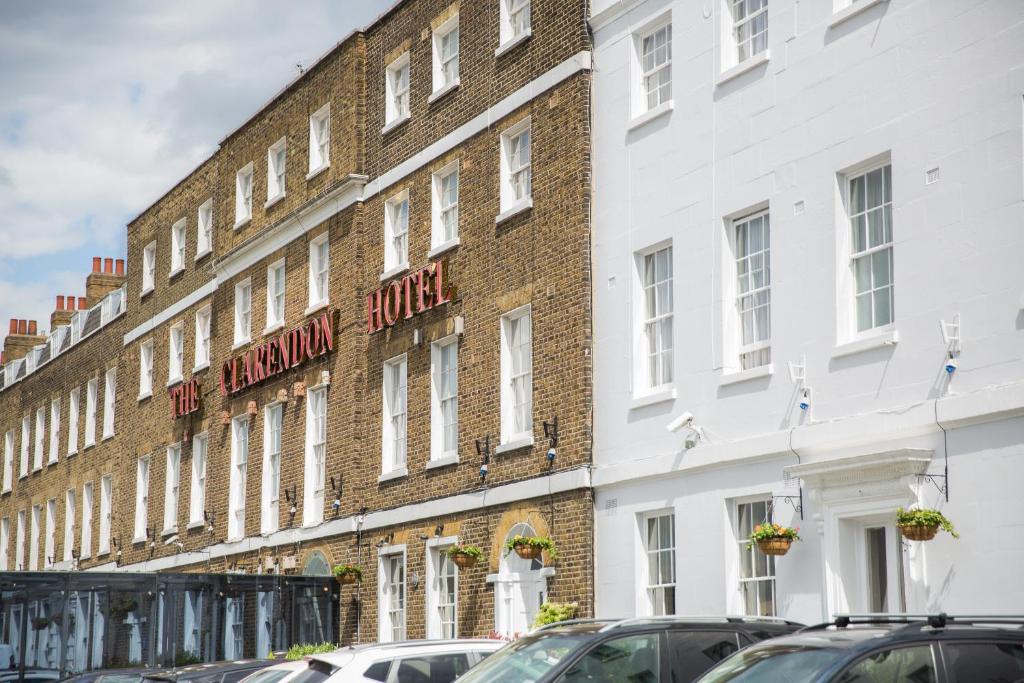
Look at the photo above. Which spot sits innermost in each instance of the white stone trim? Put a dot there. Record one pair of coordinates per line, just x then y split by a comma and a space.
851, 11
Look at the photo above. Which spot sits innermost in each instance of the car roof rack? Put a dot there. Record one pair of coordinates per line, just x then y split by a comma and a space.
681, 618
918, 621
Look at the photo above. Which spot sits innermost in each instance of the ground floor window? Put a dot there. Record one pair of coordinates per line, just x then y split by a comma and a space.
392, 595
757, 570
234, 622
659, 538
442, 598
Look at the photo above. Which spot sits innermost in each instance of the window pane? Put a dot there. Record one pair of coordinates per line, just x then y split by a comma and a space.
694, 652
985, 662
634, 658
900, 665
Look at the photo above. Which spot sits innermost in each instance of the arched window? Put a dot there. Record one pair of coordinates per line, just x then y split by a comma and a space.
316, 565
520, 587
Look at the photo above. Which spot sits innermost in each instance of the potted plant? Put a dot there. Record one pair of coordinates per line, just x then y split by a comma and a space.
464, 556
773, 539
40, 623
922, 524
531, 547
347, 574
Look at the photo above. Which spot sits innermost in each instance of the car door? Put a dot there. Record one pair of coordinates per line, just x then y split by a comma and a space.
691, 653
436, 668
916, 663
635, 658
983, 662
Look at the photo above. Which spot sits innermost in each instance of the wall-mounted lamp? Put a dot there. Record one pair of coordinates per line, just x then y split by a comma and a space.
291, 495
551, 434
208, 517
483, 449
336, 487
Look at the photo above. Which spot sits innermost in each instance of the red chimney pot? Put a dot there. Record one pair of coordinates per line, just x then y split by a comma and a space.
14, 326
22, 326
96, 261
60, 303
32, 327
81, 303
69, 301
119, 267
108, 266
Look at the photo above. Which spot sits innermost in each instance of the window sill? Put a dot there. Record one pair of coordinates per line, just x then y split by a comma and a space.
23, 476
393, 474
84, 557
852, 11
395, 124
443, 462
442, 91
513, 42
174, 273
318, 170
270, 329
653, 398
650, 115
169, 531
200, 367
146, 292
392, 272
443, 247
107, 436
876, 341
746, 375
242, 222
743, 67
274, 200
72, 454
142, 397
240, 343
514, 445
51, 463
198, 524
174, 380
514, 210
6, 491
314, 307
89, 445
139, 539
102, 553
203, 254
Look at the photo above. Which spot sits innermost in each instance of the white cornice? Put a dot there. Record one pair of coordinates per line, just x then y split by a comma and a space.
868, 467
611, 13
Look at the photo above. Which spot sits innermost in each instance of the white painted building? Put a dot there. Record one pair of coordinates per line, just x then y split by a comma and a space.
871, 152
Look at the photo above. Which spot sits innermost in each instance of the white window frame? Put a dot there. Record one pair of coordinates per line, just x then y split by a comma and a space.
74, 403
445, 67
33, 539
756, 581
647, 603
202, 345
8, 460
148, 268
175, 353
54, 430
319, 140
145, 371
397, 108
516, 175
40, 439
315, 469
394, 429
243, 312
277, 169
396, 234
444, 211
512, 434
438, 564
319, 272
70, 505
5, 541
142, 476
646, 384
738, 53
443, 401
50, 540
515, 23
85, 544
109, 401
26, 446
106, 510
276, 283
243, 195
641, 96
178, 246
197, 490
393, 597
238, 475
19, 540
172, 489
204, 229
755, 355
273, 426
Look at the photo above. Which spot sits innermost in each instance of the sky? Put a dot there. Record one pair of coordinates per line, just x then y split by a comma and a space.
104, 105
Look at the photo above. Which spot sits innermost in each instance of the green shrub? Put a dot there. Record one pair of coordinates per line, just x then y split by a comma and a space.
296, 652
553, 612
925, 517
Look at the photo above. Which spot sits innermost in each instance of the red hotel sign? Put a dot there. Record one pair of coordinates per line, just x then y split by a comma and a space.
185, 399
415, 293
271, 358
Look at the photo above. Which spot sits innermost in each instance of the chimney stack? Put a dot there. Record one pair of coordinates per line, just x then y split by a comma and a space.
23, 335
63, 311
101, 281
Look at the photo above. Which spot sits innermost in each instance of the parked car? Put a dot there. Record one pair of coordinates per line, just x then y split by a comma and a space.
132, 675
214, 672
414, 661
642, 650
282, 672
886, 649
31, 676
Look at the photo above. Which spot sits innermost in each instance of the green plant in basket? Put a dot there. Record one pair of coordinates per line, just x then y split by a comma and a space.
924, 517
769, 531
529, 547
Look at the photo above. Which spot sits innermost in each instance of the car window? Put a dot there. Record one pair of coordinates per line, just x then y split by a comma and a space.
317, 672
633, 658
985, 662
527, 659
378, 671
443, 668
694, 652
897, 665
120, 678
268, 676
771, 663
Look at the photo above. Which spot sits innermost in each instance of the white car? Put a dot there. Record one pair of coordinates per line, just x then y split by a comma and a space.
414, 661
278, 673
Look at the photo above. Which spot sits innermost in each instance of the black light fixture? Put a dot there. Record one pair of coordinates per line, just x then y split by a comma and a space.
208, 517
483, 449
336, 487
291, 495
551, 434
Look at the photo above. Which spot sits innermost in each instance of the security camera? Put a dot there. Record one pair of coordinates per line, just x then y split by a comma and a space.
336, 504
805, 399
951, 364
551, 455
483, 470
684, 420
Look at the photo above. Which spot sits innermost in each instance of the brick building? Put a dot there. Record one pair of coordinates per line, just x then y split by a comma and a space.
351, 378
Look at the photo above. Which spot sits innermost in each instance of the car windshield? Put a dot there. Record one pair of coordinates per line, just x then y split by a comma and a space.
772, 663
268, 675
525, 660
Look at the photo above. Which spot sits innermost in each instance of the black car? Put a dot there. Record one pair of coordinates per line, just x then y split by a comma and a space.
886, 649
215, 672
642, 650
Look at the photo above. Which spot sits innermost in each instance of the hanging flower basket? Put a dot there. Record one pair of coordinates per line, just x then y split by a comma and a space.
40, 623
122, 607
464, 556
531, 547
348, 574
773, 539
923, 524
